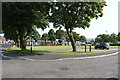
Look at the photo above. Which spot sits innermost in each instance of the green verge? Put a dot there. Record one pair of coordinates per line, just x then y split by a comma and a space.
93, 47
114, 46
42, 49
49, 48
80, 51
36, 49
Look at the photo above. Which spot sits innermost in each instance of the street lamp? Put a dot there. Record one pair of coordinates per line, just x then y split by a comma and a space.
106, 31
31, 42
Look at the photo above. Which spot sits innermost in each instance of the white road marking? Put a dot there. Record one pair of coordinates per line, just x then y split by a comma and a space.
78, 58
90, 56
75, 58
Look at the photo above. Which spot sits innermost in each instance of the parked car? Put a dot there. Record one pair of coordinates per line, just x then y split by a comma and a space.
102, 46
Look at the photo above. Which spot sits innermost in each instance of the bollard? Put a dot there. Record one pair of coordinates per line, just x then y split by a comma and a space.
85, 48
31, 49
90, 48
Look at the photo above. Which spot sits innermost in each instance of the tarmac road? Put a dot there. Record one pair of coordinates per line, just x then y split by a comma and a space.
104, 67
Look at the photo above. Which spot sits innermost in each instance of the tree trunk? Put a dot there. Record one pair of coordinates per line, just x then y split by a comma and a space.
17, 43
22, 43
70, 34
46, 42
68, 43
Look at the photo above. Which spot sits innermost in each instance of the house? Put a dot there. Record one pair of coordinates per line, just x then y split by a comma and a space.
40, 43
2, 40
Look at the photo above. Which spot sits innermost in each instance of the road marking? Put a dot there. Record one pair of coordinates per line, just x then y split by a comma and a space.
75, 58
90, 57
78, 58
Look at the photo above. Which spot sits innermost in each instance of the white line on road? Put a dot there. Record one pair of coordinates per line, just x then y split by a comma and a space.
75, 58
90, 56
78, 58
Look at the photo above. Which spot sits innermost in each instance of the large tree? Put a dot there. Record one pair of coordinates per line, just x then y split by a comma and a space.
67, 38
76, 36
45, 37
82, 39
113, 38
34, 34
19, 17
72, 15
60, 34
51, 35
119, 36
102, 38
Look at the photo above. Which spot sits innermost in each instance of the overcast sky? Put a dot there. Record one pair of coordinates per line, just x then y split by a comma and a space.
109, 22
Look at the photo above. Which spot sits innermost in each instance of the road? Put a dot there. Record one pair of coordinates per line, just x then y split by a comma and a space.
102, 67
2, 48
87, 68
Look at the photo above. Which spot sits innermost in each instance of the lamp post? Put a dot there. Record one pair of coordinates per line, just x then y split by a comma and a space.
85, 47
31, 42
106, 32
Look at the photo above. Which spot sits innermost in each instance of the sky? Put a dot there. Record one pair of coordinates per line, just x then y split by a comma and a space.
107, 24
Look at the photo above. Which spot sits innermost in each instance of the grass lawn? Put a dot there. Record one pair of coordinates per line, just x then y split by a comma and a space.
36, 49
86, 47
114, 46
93, 46
41, 49
49, 48
80, 51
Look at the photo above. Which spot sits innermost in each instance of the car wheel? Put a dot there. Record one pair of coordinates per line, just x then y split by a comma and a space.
107, 48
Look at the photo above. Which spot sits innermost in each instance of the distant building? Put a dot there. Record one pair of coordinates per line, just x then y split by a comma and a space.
41, 42
2, 40
48, 43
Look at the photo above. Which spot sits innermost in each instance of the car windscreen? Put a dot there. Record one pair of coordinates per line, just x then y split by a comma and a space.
104, 44
97, 44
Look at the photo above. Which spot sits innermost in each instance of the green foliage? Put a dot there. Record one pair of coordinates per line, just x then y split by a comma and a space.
36, 35
102, 38
18, 19
107, 38
51, 35
60, 34
76, 36
67, 37
82, 39
72, 15
75, 14
119, 36
45, 37
113, 38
